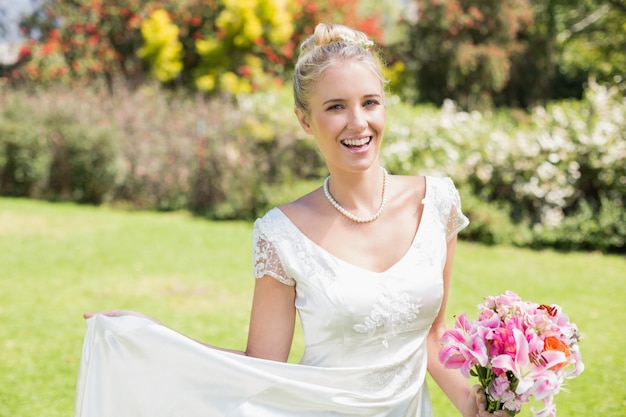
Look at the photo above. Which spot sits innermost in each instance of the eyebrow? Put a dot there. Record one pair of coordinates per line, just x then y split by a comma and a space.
334, 100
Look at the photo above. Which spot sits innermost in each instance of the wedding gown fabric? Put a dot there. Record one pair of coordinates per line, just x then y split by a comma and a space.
365, 337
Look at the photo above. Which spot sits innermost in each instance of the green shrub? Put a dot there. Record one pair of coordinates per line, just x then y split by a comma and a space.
83, 166
588, 228
227, 180
24, 159
490, 223
52, 147
158, 139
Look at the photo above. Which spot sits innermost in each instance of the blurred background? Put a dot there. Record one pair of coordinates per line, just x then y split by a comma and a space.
186, 105
130, 128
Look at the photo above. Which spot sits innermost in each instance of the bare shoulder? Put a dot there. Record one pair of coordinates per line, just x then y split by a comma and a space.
303, 208
407, 188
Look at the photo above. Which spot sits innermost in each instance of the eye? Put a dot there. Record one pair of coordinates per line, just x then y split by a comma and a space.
371, 102
334, 107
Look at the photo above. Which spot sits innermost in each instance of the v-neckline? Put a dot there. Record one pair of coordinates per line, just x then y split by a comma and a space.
343, 261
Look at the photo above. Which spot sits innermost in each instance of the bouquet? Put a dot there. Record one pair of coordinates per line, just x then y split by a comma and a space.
517, 349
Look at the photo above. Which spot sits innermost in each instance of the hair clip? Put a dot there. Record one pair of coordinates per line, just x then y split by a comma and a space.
365, 44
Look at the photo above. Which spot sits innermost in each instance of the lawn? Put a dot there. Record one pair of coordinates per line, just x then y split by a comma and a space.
60, 260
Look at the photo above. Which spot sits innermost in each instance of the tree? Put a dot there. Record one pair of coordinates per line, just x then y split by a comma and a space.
209, 45
591, 38
80, 39
570, 42
247, 41
512, 53
463, 49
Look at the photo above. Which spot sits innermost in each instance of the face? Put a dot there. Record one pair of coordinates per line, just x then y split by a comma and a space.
347, 116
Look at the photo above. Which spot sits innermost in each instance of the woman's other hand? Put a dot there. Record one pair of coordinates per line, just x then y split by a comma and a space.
477, 405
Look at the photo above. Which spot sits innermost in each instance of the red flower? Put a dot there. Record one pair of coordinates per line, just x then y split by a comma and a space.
244, 71
49, 48
287, 49
552, 311
554, 343
24, 52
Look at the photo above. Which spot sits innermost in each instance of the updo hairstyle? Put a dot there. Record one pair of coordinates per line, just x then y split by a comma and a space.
330, 44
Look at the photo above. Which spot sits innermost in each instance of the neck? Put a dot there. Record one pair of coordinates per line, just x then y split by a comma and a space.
357, 192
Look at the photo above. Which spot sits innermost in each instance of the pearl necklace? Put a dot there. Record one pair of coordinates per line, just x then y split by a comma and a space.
352, 216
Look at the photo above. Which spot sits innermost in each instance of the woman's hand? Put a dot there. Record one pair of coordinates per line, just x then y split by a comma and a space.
120, 313
476, 405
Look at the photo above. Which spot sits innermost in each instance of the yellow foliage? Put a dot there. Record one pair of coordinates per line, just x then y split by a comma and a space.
228, 64
208, 46
239, 20
161, 48
258, 129
233, 84
254, 62
276, 13
206, 82
394, 73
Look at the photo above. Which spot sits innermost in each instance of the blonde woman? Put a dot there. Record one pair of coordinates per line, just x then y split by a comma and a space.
365, 260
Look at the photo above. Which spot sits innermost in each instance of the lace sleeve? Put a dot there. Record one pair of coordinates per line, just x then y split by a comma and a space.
457, 221
265, 257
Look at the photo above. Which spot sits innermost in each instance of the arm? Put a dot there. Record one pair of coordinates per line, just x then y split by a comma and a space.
272, 320
451, 381
470, 401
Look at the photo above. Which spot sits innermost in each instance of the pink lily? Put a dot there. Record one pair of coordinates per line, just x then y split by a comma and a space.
463, 348
521, 364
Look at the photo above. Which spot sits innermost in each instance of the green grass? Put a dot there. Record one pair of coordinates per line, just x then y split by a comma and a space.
60, 260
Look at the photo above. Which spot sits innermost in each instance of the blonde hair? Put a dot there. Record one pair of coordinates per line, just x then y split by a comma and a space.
329, 44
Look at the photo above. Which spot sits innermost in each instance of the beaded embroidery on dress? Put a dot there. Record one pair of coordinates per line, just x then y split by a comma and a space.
365, 337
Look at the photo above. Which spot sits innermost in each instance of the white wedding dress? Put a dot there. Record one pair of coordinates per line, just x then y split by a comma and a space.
365, 337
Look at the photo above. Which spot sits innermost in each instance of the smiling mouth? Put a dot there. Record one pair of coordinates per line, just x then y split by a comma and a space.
356, 143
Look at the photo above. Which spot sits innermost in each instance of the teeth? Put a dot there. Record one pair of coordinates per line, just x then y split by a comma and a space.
356, 142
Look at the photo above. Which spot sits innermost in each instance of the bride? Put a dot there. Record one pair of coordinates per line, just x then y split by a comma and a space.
365, 260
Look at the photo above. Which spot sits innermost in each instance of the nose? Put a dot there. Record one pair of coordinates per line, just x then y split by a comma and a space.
357, 120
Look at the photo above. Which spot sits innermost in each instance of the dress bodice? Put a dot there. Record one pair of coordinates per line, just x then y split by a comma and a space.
352, 316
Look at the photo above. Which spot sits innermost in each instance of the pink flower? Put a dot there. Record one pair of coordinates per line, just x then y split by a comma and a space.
519, 364
548, 411
500, 389
518, 350
462, 348
503, 341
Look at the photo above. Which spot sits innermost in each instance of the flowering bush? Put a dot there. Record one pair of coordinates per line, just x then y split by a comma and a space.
545, 167
149, 149
99, 39
517, 349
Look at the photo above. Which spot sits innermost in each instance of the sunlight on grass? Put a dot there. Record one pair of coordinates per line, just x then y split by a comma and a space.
60, 260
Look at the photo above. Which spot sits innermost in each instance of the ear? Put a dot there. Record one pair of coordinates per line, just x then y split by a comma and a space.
303, 118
